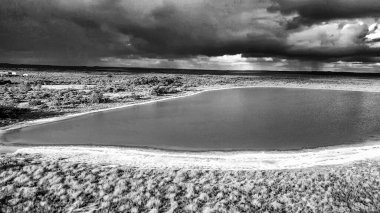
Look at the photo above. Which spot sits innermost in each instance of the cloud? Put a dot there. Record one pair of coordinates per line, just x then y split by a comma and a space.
190, 32
329, 40
230, 62
311, 11
373, 36
78, 30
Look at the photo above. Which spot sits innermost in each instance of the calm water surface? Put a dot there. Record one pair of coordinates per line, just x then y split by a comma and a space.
234, 119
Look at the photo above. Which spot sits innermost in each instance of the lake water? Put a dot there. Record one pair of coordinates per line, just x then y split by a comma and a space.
233, 119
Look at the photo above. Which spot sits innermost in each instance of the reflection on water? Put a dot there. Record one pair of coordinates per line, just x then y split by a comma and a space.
235, 119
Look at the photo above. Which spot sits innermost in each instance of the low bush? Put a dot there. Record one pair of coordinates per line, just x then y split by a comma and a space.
35, 102
146, 80
96, 97
4, 82
12, 112
161, 90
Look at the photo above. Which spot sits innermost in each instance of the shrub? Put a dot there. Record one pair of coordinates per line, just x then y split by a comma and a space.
25, 87
35, 102
53, 103
146, 80
4, 82
42, 106
136, 96
11, 112
96, 97
161, 90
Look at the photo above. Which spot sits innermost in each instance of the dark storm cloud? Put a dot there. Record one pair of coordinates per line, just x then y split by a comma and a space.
81, 30
312, 11
85, 31
55, 31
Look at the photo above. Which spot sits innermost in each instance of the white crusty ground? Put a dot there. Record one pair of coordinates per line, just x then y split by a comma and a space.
148, 158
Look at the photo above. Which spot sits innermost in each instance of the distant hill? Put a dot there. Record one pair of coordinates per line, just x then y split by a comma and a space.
52, 68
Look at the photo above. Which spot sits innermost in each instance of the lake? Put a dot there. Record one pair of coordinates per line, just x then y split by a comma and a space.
234, 119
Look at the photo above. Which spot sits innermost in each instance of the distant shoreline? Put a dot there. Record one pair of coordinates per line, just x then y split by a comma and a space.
167, 70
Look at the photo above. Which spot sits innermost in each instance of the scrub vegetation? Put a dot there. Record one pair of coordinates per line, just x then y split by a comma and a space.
46, 94
33, 184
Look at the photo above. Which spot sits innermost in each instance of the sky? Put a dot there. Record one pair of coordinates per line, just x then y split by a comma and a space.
323, 35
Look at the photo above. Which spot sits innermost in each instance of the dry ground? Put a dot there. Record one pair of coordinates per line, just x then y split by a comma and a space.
29, 184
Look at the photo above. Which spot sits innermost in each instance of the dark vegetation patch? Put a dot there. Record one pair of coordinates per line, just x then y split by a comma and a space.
11, 114
5, 82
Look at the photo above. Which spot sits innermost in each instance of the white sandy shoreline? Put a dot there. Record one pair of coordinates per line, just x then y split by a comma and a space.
211, 160
144, 158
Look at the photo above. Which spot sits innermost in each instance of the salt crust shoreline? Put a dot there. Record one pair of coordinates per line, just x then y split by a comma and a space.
147, 158
159, 159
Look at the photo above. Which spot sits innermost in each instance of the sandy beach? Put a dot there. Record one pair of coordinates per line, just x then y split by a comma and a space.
160, 159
